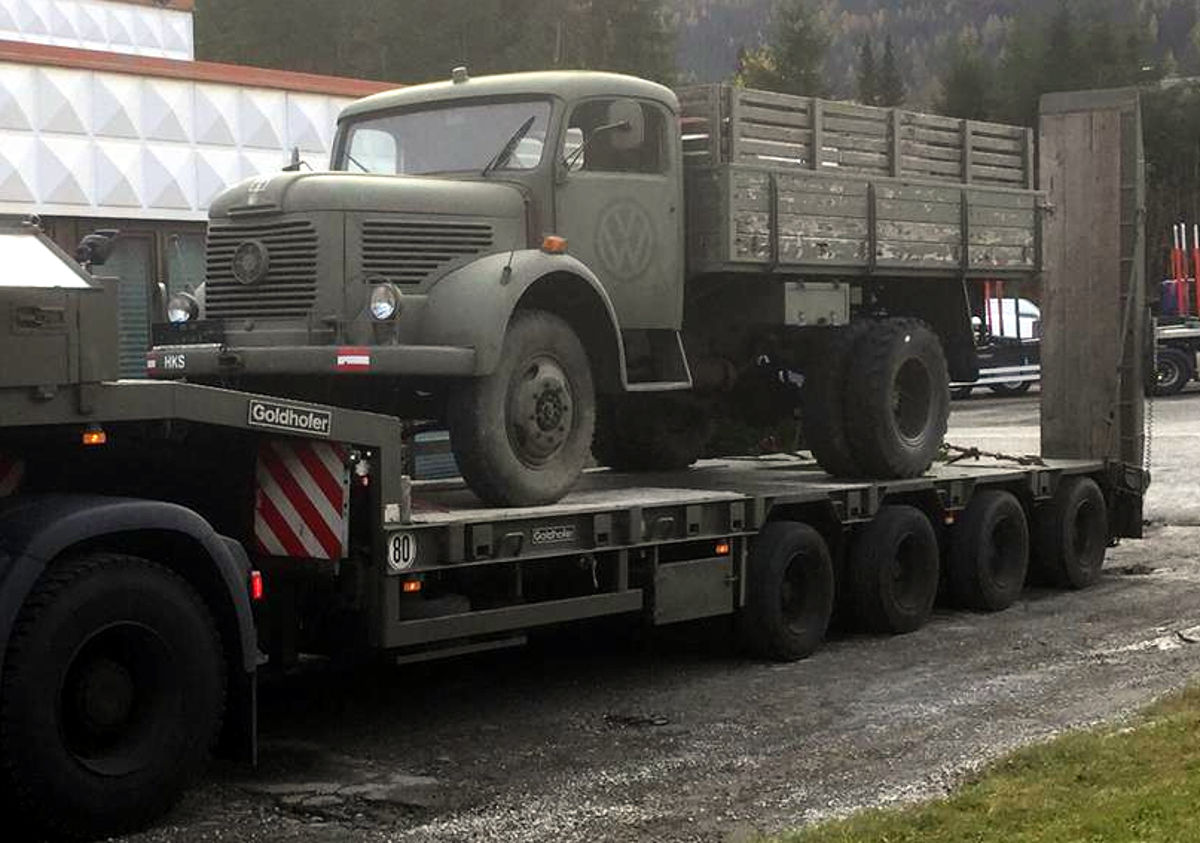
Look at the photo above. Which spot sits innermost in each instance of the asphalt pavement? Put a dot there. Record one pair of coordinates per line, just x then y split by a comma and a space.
601, 735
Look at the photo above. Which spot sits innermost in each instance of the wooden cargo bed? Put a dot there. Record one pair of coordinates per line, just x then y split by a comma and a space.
795, 184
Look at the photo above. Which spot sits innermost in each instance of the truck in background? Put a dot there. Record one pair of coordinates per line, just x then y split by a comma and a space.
571, 262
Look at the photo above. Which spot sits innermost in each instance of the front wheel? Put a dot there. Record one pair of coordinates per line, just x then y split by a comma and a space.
113, 694
522, 434
1172, 371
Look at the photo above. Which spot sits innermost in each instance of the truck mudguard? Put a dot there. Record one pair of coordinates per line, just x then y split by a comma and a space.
472, 305
35, 530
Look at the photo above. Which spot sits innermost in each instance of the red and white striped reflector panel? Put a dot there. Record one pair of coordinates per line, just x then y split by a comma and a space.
12, 472
303, 500
353, 359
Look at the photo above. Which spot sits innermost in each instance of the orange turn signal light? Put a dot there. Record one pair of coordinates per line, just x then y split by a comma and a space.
722, 548
411, 586
552, 244
94, 435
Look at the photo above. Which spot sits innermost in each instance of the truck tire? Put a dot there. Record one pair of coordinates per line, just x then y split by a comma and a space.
823, 401
113, 694
1011, 387
989, 552
1173, 370
789, 592
1071, 535
894, 571
522, 434
898, 399
649, 432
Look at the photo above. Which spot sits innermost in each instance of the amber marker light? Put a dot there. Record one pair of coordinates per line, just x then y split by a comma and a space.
552, 244
722, 548
95, 435
411, 586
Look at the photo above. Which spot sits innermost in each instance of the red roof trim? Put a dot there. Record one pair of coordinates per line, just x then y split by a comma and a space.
195, 71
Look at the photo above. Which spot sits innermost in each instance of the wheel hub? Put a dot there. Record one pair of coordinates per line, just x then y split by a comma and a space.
105, 695
541, 411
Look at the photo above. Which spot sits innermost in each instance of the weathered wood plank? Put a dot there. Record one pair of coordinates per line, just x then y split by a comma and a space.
919, 232
1000, 174
775, 117
1002, 236
785, 134
853, 127
927, 166
1001, 257
941, 212
902, 255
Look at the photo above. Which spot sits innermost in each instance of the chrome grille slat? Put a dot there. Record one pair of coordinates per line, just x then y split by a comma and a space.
409, 252
290, 288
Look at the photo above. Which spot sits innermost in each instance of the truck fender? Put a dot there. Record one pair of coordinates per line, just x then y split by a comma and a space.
473, 305
37, 529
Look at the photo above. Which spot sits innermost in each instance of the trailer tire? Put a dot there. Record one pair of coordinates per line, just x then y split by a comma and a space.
1071, 535
823, 401
649, 432
789, 592
113, 694
1173, 369
989, 552
523, 434
898, 399
894, 571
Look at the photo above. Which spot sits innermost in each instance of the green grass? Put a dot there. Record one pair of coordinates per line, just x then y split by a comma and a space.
1138, 782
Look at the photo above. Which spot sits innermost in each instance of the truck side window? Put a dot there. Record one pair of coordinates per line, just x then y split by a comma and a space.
602, 156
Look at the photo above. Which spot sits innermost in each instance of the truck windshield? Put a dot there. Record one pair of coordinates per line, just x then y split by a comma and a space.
444, 139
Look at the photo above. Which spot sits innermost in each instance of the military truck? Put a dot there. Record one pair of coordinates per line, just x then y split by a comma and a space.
563, 262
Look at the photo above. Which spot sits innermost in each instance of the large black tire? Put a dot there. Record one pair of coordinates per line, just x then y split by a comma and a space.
823, 400
113, 694
1011, 387
897, 399
1173, 370
1071, 535
789, 592
989, 552
522, 434
638, 432
894, 571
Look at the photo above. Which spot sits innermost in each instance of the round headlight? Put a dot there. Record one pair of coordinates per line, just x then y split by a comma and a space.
182, 307
385, 302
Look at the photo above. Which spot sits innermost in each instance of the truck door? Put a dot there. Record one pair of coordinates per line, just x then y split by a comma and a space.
620, 208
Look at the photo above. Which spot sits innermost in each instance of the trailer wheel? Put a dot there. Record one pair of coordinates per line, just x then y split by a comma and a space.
113, 694
898, 399
1172, 371
989, 552
789, 592
522, 434
1071, 534
894, 570
649, 432
822, 400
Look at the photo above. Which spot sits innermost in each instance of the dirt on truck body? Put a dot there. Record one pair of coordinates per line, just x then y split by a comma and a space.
553, 263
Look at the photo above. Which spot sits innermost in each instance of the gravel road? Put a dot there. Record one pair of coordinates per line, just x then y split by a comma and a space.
672, 737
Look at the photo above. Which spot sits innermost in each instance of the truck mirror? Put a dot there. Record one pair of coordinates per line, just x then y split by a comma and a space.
632, 120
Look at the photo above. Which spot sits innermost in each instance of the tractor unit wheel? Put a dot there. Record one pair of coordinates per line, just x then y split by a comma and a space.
522, 434
897, 399
113, 694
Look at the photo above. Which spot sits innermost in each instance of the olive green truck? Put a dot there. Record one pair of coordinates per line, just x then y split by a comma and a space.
568, 263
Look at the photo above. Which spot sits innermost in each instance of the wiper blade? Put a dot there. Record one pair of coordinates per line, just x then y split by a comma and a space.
510, 146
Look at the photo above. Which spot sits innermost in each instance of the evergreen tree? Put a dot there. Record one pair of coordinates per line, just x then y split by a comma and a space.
967, 83
794, 61
868, 74
892, 90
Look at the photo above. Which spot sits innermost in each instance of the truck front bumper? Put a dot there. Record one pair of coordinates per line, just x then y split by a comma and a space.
169, 362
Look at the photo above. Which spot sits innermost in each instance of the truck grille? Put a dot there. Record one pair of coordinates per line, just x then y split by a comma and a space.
290, 288
409, 252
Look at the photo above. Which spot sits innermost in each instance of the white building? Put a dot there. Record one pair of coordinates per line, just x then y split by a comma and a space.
106, 120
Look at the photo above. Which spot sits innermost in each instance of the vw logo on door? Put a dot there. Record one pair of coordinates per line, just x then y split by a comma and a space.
625, 240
